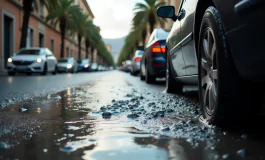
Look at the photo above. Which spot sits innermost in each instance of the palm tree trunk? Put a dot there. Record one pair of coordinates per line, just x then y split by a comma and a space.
87, 46
144, 32
27, 8
92, 54
79, 38
151, 28
62, 28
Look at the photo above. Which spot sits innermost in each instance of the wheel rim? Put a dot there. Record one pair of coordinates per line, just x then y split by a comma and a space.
208, 78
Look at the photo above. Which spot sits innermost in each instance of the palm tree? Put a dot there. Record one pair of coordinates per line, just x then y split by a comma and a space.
81, 29
27, 9
145, 13
92, 37
64, 14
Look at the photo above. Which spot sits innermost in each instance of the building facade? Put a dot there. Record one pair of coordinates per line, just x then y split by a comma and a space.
40, 33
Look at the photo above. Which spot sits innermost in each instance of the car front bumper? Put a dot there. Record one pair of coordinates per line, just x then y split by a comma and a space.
64, 69
31, 68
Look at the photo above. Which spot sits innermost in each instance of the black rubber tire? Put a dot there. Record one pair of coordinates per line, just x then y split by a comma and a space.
11, 73
44, 72
234, 96
55, 70
142, 77
172, 86
29, 74
149, 79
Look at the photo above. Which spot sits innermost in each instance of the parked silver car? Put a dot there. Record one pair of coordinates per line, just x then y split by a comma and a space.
135, 66
32, 60
67, 65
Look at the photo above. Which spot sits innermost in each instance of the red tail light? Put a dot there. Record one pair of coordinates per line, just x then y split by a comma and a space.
158, 48
137, 59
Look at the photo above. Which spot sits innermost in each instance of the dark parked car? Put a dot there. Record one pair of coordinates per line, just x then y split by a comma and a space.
84, 65
153, 62
218, 45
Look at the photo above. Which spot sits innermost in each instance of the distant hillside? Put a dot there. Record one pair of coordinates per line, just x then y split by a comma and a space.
116, 46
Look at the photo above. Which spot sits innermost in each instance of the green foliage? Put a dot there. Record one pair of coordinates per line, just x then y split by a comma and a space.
144, 18
71, 18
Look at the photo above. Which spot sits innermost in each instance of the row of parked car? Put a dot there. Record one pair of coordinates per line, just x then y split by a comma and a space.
43, 61
216, 47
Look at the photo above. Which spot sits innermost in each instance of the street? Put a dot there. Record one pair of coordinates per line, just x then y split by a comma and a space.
112, 115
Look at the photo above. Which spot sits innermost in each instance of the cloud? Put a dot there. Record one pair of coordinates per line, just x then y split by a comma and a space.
113, 16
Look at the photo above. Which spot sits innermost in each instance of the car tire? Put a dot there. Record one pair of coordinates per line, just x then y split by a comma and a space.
225, 97
148, 77
29, 74
44, 72
55, 71
142, 77
11, 73
172, 86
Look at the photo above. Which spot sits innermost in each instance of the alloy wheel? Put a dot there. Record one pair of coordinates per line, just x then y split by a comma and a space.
208, 71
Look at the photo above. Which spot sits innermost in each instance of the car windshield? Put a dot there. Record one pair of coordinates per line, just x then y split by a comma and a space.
29, 52
85, 61
139, 53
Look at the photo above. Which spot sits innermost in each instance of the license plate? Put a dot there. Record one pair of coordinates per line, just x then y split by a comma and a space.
22, 67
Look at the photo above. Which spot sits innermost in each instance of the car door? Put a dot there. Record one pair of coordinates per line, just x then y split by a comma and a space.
187, 25
175, 53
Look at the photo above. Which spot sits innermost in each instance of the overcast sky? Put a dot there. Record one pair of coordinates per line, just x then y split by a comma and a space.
113, 16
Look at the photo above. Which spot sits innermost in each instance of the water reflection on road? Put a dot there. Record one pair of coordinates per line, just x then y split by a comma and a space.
67, 125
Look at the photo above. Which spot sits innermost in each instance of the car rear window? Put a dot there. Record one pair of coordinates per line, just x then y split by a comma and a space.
139, 52
162, 34
29, 52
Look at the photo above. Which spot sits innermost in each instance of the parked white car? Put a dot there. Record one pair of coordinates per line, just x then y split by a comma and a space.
32, 60
94, 67
68, 64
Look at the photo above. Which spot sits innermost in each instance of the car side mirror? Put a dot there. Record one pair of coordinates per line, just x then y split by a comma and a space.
167, 12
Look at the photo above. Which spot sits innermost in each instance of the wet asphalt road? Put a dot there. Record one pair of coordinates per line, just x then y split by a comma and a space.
112, 115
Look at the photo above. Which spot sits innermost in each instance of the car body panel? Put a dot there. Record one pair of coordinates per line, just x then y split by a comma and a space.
244, 36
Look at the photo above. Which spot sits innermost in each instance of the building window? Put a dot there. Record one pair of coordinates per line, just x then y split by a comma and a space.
41, 9
52, 45
41, 40
8, 25
30, 40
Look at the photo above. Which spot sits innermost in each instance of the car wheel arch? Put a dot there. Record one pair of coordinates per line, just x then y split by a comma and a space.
201, 7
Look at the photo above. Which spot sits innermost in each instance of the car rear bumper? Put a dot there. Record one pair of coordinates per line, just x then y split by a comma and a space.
157, 67
32, 68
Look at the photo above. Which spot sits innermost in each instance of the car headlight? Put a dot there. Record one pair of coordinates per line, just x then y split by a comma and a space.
69, 66
9, 60
86, 65
39, 60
